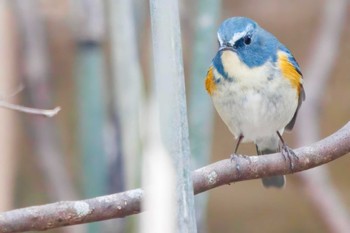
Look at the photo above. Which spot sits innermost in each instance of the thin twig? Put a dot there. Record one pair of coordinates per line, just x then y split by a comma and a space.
35, 111
13, 93
214, 175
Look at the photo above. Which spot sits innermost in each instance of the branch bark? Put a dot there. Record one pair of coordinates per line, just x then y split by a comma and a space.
66, 213
252, 167
214, 175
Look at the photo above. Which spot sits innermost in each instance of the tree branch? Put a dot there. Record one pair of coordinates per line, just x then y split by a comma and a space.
66, 213
35, 111
222, 172
252, 167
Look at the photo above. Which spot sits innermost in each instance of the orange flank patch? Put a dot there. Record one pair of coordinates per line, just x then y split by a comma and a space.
289, 71
210, 85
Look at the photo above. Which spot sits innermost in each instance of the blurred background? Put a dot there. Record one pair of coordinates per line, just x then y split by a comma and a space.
94, 59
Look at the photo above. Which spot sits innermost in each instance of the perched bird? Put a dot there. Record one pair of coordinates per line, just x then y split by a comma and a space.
256, 87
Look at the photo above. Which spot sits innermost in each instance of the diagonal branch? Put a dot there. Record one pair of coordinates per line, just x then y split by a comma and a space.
128, 203
252, 167
35, 111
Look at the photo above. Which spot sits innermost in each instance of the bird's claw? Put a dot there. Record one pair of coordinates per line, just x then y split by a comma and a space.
288, 154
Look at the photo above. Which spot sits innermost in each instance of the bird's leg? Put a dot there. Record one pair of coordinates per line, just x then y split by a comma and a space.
237, 145
238, 142
233, 156
287, 153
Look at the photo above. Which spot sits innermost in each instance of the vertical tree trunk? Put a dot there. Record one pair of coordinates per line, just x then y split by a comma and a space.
91, 93
170, 89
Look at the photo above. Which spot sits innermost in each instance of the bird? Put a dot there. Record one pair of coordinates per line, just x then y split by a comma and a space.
256, 86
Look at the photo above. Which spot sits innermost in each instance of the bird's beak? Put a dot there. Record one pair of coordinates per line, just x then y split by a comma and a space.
227, 47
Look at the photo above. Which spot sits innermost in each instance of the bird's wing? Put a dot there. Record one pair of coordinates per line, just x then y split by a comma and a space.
291, 70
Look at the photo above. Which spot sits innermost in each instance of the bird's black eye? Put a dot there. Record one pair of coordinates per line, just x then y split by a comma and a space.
247, 40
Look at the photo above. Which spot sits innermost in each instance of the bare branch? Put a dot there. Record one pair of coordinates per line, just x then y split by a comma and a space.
66, 213
220, 173
252, 167
35, 111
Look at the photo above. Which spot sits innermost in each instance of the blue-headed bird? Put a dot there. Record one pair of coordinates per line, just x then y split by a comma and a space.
256, 87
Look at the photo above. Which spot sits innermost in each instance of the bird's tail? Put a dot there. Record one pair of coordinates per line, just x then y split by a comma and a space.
268, 146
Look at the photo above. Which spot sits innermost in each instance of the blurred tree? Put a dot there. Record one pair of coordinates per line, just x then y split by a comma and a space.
88, 16
201, 115
127, 96
316, 183
8, 119
38, 89
128, 84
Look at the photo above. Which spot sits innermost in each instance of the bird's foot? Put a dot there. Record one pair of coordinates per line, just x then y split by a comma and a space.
288, 154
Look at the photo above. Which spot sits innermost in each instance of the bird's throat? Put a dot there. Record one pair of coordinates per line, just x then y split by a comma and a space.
238, 70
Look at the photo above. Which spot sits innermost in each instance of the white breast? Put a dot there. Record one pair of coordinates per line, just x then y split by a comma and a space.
257, 103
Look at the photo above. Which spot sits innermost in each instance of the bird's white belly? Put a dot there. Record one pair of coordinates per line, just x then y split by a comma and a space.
256, 109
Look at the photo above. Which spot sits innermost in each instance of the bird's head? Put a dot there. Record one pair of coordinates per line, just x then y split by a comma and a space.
243, 41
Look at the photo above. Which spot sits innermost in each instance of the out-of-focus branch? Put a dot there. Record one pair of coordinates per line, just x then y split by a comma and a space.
35, 111
13, 93
316, 183
324, 51
220, 173
20, 108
